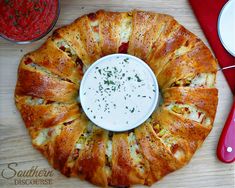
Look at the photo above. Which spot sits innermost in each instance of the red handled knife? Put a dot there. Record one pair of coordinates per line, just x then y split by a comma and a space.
226, 145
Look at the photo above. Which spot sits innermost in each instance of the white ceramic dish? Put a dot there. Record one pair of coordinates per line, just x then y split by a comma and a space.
226, 26
119, 92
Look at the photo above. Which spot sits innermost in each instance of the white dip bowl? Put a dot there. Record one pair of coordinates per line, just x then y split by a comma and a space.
119, 92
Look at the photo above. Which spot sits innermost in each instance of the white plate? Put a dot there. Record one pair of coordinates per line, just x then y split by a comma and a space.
226, 26
119, 92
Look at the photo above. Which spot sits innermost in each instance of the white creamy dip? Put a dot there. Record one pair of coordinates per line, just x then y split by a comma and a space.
119, 92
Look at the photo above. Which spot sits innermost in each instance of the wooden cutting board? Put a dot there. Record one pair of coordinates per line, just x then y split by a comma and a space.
204, 170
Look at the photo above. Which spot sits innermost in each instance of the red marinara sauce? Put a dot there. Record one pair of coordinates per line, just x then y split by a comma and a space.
27, 20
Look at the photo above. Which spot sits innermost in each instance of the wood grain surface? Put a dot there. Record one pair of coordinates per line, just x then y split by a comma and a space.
204, 170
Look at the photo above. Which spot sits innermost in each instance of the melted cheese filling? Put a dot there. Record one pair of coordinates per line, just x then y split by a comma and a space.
126, 29
108, 155
39, 101
190, 112
135, 152
47, 134
108, 150
64, 46
95, 29
80, 144
181, 51
169, 141
201, 80
35, 101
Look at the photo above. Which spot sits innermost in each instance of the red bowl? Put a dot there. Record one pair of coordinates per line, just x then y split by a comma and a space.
23, 21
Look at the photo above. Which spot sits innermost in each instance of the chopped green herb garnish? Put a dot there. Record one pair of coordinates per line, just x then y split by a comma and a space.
15, 23
138, 78
132, 110
6, 1
108, 82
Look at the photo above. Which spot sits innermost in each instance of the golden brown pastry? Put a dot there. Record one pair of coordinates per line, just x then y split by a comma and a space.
48, 84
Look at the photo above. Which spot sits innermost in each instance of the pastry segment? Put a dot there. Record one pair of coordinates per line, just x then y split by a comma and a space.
54, 60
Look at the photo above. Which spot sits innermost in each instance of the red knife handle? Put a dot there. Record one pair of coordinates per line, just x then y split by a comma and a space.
226, 145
